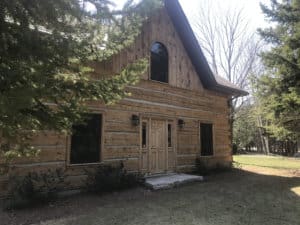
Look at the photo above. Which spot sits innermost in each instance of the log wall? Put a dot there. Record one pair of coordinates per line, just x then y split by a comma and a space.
183, 98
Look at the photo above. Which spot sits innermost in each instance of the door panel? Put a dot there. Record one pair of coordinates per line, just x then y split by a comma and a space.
144, 161
157, 155
158, 146
171, 159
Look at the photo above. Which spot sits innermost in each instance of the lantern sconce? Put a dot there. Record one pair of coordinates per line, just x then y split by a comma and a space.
181, 123
135, 120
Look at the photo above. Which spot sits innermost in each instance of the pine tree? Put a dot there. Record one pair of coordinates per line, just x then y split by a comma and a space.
46, 48
244, 129
279, 88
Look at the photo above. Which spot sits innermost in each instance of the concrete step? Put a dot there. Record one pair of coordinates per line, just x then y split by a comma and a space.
170, 180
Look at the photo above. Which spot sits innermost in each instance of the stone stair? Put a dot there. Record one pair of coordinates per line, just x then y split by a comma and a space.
168, 181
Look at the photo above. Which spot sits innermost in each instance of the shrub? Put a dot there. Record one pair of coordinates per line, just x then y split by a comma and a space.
22, 192
34, 188
234, 149
108, 178
203, 169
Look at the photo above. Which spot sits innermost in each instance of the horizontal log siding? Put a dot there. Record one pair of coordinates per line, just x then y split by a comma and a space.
183, 98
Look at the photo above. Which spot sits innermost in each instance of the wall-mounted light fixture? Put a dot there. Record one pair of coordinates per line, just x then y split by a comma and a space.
135, 119
181, 123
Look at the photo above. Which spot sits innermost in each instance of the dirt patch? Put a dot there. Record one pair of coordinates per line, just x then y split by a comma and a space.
63, 207
272, 171
249, 196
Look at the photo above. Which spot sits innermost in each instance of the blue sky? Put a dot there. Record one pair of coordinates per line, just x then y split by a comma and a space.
251, 8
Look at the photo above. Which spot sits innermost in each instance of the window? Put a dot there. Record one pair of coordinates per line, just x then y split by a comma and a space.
86, 140
169, 135
159, 62
144, 135
206, 139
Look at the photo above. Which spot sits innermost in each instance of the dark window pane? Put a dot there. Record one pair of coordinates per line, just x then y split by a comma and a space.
159, 62
206, 139
169, 135
86, 140
144, 135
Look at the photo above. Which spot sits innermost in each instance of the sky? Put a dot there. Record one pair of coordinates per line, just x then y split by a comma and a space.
251, 8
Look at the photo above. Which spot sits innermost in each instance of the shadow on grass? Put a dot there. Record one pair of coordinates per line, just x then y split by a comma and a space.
235, 197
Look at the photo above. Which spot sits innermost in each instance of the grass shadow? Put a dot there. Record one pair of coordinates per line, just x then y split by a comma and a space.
234, 197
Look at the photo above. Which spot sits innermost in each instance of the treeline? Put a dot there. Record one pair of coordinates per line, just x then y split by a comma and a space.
270, 121
251, 134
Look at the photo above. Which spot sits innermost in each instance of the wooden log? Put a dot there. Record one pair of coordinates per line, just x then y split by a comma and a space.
189, 159
185, 139
112, 152
121, 139
188, 149
49, 153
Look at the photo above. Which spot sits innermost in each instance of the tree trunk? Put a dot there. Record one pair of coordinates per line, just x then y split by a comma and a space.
264, 139
267, 146
231, 120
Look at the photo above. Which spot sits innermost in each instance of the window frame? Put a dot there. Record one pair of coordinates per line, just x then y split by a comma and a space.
213, 138
147, 134
170, 134
150, 69
69, 139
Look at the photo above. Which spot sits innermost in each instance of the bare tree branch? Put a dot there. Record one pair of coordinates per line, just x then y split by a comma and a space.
228, 42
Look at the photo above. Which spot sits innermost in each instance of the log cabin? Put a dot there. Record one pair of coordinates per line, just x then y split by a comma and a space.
178, 112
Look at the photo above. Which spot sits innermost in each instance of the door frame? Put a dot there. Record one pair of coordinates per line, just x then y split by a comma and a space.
168, 120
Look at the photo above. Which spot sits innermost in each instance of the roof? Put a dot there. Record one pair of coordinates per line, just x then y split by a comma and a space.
191, 45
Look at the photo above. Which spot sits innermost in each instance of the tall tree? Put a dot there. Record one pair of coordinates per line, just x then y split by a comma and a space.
245, 129
228, 41
46, 48
279, 87
230, 45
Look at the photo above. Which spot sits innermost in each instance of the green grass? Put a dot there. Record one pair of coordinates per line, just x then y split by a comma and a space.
268, 161
237, 197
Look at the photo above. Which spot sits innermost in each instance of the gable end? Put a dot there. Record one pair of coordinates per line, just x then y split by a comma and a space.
195, 53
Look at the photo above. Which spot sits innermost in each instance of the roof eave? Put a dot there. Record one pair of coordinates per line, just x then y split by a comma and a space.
190, 42
230, 91
194, 51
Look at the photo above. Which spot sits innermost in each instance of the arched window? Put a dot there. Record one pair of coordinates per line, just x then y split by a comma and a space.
159, 62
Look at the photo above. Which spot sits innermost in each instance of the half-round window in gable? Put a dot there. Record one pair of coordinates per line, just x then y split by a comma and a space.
159, 62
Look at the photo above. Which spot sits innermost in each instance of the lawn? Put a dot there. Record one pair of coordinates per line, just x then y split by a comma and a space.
237, 197
268, 161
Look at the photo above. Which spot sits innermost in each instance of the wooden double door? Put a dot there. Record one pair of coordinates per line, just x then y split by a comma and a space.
158, 153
